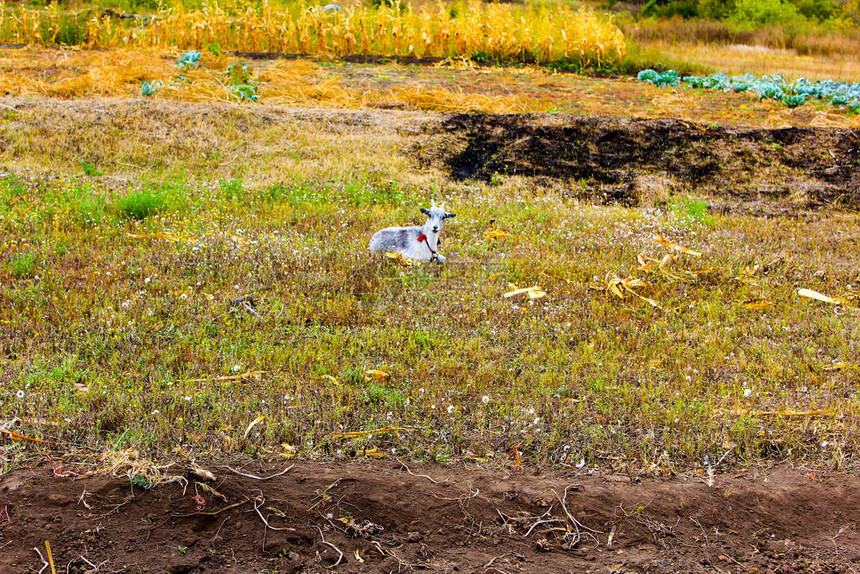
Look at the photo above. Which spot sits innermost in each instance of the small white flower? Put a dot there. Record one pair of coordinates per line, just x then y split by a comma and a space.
147, 280
747, 392
183, 296
188, 399
450, 409
485, 399
236, 368
20, 394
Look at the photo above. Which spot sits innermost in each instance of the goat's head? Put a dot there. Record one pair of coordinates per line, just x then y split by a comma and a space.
436, 217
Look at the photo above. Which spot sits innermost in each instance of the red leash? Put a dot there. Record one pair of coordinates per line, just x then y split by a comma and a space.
423, 238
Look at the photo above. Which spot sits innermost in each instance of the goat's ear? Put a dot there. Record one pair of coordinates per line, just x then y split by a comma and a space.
425, 212
447, 215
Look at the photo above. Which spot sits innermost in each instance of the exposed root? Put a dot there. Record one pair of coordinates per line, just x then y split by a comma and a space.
283, 472
336, 549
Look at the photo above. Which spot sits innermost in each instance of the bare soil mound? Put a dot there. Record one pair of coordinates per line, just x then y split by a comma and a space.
387, 517
633, 161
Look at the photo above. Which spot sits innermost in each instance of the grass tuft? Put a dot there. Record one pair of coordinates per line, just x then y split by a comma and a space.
22, 265
90, 169
141, 204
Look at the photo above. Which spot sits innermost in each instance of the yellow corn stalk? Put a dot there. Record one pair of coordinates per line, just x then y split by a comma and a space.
490, 31
622, 287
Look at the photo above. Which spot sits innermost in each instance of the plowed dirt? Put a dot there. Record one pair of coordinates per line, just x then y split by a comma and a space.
634, 161
386, 517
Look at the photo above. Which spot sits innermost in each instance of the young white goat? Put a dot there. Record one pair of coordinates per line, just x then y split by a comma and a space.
418, 243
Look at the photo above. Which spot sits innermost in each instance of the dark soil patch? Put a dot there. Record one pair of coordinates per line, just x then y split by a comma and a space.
384, 518
594, 158
636, 161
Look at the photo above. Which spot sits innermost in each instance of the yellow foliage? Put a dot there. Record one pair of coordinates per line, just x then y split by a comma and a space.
662, 241
495, 233
757, 304
819, 297
533, 292
497, 32
376, 375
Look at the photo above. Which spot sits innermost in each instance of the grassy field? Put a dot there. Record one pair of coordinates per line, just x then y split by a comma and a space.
123, 259
187, 271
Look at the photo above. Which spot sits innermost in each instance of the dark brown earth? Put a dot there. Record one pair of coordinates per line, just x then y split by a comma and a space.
634, 161
600, 159
385, 517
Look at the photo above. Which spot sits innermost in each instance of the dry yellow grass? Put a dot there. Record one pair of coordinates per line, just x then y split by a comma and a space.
119, 73
808, 41
452, 86
77, 73
742, 59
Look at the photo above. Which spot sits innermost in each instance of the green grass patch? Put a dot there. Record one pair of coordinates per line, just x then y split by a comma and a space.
90, 169
692, 209
140, 205
22, 265
155, 199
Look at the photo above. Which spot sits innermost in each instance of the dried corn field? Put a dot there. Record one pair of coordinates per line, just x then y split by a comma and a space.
492, 32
